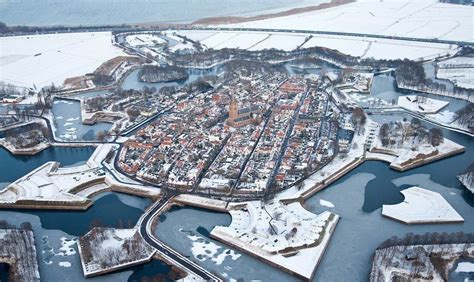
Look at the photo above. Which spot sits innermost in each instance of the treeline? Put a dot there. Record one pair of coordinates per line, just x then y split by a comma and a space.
24, 29
465, 115
428, 238
211, 56
6, 225
154, 74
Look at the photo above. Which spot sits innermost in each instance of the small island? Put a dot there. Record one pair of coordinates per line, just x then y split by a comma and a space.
427, 257
103, 250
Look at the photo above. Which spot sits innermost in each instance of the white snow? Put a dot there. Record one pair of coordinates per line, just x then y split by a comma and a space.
377, 48
421, 104
144, 40
418, 19
203, 250
64, 264
459, 70
350, 45
462, 77
269, 230
422, 206
326, 203
465, 267
44, 59
286, 42
66, 247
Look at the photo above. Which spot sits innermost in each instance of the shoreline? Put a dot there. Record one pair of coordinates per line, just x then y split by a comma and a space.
292, 11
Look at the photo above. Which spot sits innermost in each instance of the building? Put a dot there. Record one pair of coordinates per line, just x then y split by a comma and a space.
242, 117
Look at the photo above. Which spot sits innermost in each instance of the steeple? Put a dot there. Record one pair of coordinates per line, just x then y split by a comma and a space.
233, 108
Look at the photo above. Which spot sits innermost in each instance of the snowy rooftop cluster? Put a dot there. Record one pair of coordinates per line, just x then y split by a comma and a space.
284, 235
422, 206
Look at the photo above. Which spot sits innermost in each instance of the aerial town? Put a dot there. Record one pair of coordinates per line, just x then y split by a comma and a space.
238, 148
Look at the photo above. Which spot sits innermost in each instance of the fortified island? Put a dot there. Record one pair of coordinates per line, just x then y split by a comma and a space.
236, 131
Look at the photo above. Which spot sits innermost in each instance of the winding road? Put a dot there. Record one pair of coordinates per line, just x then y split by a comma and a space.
145, 227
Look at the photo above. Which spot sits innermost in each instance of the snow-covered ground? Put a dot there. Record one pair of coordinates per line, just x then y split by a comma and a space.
350, 45
287, 236
416, 263
39, 60
50, 183
109, 249
285, 42
422, 206
379, 48
459, 70
203, 249
144, 40
462, 77
421, 104
417, 19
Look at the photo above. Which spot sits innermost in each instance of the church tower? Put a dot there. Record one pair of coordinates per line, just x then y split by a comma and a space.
233, 109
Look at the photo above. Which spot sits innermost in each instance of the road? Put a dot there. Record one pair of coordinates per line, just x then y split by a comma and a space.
289, 130
351, 34
145, 224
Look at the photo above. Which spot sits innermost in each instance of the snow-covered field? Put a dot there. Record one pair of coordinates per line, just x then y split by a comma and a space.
40, 60
422, 206
418, 19
459, 70
421, 104
144, 40
269, 231
285, 42
350, 45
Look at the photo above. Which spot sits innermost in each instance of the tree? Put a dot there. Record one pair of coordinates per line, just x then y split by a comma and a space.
133, 113
358, 117
101, 136
384, 131
415, 122
26, 225
436, 136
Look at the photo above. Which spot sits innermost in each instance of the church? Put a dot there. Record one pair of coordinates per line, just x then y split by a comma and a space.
242, 117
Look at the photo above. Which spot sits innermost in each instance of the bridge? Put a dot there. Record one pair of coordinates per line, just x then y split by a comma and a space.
145, 224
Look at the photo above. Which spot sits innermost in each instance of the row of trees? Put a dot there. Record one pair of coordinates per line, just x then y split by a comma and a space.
428, 238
